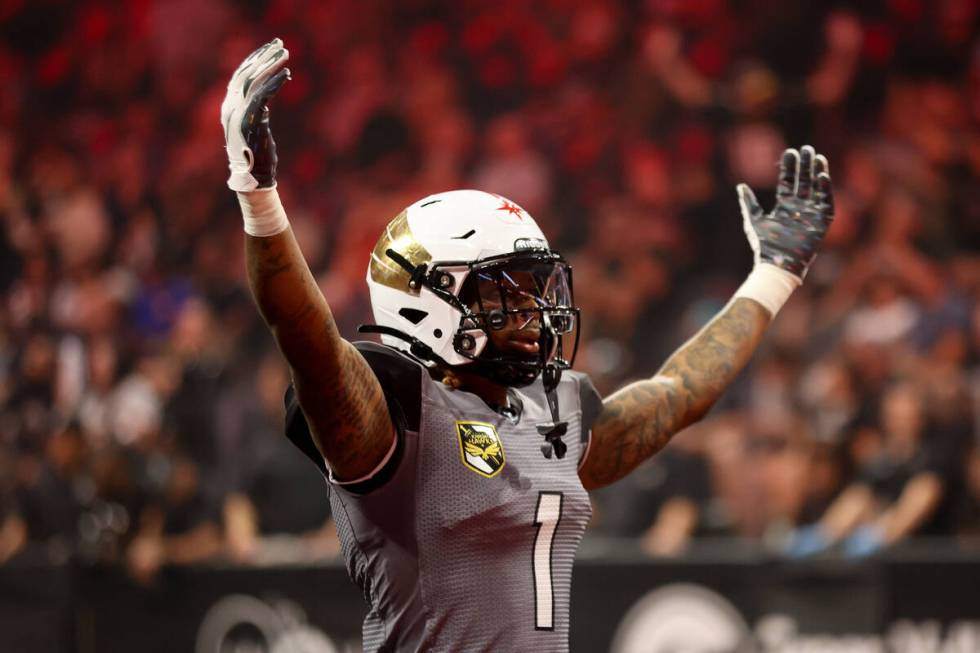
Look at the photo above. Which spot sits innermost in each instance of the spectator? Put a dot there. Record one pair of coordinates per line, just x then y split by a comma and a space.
902, 490
55, 492
660, 504
179, 527
279, 509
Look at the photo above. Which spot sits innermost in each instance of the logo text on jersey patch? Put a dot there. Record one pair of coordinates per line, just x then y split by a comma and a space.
480, 447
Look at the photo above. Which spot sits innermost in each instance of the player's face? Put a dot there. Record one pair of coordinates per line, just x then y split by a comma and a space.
521, 332
521, 294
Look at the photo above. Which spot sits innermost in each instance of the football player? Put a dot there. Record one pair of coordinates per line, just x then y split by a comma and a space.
459, 453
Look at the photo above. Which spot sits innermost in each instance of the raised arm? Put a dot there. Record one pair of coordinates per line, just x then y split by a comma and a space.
637, 421
339, 394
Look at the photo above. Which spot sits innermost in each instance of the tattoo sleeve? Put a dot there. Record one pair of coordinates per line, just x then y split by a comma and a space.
337, 390
637, 421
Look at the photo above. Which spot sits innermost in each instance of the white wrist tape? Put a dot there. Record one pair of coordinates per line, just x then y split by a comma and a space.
769, 285
262, 212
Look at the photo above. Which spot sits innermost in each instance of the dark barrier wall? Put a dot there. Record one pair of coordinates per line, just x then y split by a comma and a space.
909, 605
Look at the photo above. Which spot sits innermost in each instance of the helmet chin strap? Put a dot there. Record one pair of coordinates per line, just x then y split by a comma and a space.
418, 348
550, 376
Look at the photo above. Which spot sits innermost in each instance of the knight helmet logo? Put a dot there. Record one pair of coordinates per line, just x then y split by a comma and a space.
480, 448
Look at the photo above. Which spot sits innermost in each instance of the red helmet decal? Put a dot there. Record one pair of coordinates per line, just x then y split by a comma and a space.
511, 208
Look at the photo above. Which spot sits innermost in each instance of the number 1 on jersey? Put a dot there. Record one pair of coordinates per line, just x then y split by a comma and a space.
546, 519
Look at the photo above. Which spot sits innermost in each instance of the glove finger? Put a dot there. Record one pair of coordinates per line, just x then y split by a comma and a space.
272, 85
824, 194
751, 213
252, 59
266, 69
747, 201
789, 168
264, 92
274, 53
257, 52
805, 181
258, 63
265, 51
820, 164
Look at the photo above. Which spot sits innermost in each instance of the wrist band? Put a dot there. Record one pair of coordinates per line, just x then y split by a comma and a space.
769, 285
262, 212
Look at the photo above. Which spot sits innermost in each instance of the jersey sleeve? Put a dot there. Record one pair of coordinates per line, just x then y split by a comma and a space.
590, 402
401, 381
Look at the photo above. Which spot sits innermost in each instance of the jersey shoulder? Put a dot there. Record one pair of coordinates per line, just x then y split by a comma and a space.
400, 377
590, 401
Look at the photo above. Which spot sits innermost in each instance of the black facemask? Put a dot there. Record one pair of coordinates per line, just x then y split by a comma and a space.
526, 292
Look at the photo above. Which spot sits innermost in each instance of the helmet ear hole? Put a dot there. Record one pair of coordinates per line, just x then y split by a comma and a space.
464, 342
444, 280
413, 315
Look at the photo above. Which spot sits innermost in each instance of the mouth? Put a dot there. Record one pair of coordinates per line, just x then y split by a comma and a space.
524, 344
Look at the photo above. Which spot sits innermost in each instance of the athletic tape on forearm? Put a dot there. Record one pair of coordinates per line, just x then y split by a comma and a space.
769, 285
262, 212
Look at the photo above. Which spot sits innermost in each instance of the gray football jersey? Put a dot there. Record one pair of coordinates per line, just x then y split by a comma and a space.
465, 540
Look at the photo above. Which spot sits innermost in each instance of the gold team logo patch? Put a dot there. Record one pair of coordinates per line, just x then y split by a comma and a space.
480, 447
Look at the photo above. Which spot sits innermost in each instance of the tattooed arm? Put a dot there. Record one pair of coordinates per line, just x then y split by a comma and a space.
640, 419
636, 422
339, 394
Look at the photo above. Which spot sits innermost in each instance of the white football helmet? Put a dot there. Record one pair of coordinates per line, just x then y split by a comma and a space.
456, 265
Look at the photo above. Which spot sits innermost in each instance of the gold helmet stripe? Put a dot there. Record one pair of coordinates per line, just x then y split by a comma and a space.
397, 236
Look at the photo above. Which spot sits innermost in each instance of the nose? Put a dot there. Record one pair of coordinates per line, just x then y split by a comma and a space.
527, 320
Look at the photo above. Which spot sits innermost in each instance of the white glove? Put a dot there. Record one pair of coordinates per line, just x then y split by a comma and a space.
243, 110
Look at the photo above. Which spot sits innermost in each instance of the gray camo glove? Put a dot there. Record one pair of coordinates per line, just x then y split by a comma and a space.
789, 235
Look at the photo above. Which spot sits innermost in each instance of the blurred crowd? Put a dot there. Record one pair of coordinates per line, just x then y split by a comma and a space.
141, 395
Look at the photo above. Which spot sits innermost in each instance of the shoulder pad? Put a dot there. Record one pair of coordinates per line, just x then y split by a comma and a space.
400, 377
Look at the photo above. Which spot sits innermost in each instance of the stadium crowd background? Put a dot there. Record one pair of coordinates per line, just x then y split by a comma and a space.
141, 393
